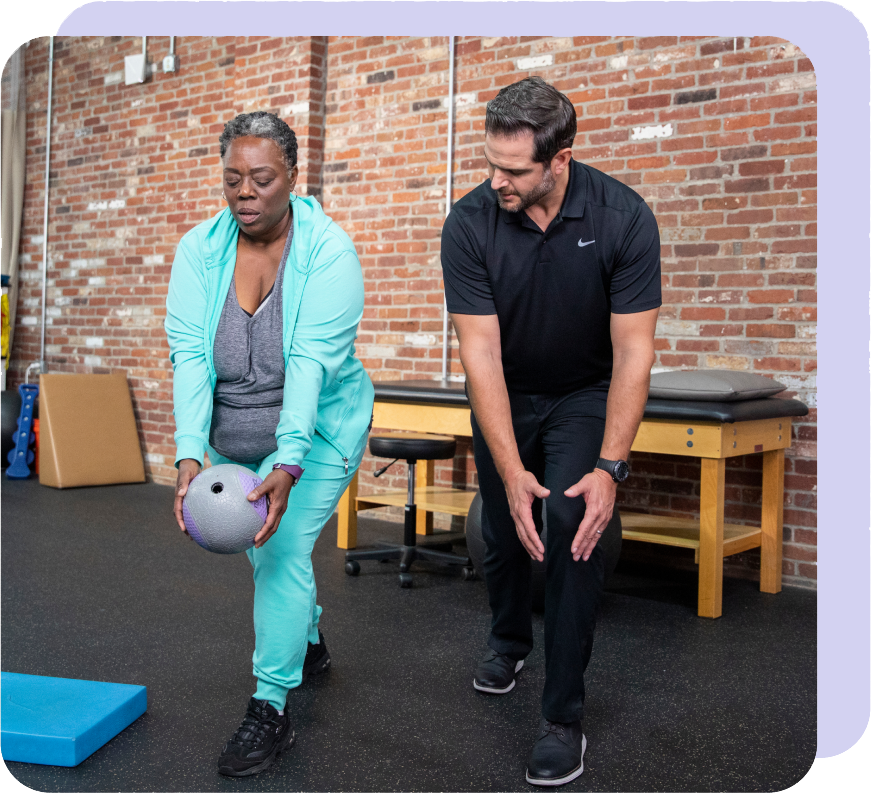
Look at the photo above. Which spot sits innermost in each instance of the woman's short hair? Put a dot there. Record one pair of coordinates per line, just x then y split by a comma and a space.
531, 105
261, 124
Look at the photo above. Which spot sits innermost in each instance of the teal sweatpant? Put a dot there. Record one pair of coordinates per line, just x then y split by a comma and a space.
286, 613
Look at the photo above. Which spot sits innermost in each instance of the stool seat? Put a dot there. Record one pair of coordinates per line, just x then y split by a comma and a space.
412, 446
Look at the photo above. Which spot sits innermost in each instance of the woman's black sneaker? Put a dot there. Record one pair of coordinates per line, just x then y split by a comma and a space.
317, 659
260, 738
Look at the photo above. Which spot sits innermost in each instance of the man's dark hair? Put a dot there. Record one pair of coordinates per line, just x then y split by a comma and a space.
261, 124
531, 105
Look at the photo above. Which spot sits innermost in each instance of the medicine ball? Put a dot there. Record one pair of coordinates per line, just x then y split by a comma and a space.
611, 542
9, 412
217, 513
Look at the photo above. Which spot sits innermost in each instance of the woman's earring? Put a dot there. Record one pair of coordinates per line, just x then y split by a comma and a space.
293, 196
223, 196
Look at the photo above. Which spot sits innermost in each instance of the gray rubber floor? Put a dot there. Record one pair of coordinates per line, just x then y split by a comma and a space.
99, 584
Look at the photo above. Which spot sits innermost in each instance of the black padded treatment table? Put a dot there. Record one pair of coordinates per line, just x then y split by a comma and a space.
710, 431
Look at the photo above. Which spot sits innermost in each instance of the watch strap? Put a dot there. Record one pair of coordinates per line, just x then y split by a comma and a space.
294, 470
611, 467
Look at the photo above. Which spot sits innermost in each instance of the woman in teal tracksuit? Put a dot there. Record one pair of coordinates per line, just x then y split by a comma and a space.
262, 312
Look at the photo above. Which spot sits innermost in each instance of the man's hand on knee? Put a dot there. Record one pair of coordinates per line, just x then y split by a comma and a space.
522, 488
599, 491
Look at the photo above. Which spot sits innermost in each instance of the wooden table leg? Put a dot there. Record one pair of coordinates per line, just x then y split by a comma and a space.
425, 478
772, 521
348, 516
711, 537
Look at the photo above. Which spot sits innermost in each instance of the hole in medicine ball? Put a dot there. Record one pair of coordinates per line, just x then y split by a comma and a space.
611, 542
217, 512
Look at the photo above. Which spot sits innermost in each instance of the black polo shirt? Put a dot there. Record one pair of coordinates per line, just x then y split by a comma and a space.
554, 291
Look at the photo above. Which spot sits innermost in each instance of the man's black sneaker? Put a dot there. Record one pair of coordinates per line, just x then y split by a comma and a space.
495, 673
317, 658
557, 756
260, 738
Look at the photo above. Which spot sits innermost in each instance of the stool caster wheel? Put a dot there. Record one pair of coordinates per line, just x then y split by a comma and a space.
405, 580
352, 567
469, 574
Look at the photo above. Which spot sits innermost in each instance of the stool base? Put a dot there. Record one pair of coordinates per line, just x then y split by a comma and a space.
407, 554
409, 550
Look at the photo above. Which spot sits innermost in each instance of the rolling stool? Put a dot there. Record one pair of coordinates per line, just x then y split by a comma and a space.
410, 446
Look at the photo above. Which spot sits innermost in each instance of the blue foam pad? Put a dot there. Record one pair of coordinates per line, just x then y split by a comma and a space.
57, 721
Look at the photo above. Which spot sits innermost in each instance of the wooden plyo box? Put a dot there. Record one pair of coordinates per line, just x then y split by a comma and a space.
88, 431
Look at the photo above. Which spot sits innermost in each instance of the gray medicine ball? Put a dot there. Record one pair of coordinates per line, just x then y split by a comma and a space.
217, 512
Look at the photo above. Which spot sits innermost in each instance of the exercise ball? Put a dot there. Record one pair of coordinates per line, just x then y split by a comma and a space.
9, 412
611, 543
217, 513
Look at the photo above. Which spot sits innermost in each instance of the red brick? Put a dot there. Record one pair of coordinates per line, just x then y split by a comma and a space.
761, 167
730, 202
804, 536
703, 313
697, 345
652, 42
695, 158
696, 250
661, 177
645, 163
772, 69
721, 46
771, 296
740, 279
721, 330
751, 216
747, 122
745, 314
797, 313
778, 364
644, 102
772, 331
776, 133
796, 116
799, 552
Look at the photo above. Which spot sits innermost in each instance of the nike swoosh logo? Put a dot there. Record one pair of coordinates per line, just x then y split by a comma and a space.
582, 244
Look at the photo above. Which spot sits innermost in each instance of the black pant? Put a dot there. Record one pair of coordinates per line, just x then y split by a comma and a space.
559, 439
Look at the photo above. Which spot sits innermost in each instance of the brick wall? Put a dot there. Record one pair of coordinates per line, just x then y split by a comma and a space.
718, 135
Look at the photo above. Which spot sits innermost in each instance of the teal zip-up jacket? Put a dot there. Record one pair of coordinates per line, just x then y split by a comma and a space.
326, 388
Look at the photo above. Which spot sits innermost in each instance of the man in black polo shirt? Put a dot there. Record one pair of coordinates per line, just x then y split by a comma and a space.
552, 280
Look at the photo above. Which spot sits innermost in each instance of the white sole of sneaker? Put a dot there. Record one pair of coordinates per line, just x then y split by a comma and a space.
563, 780
479, 687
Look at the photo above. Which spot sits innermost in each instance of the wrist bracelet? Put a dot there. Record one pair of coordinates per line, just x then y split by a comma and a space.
294, 470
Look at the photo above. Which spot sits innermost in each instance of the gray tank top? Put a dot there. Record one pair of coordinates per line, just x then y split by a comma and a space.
249, 363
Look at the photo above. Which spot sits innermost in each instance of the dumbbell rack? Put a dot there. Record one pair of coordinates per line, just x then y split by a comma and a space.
21, 457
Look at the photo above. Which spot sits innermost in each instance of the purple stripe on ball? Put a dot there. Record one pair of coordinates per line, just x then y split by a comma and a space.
248, 484
191, 526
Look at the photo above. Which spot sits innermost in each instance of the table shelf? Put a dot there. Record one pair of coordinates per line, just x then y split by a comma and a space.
685, 533
427, 499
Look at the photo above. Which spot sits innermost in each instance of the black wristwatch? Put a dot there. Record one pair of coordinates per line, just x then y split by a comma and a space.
619, 469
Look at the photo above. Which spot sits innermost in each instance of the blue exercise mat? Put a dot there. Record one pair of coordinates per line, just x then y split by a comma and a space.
57, 721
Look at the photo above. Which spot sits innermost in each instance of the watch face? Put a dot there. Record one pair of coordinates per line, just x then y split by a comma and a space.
621, 471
